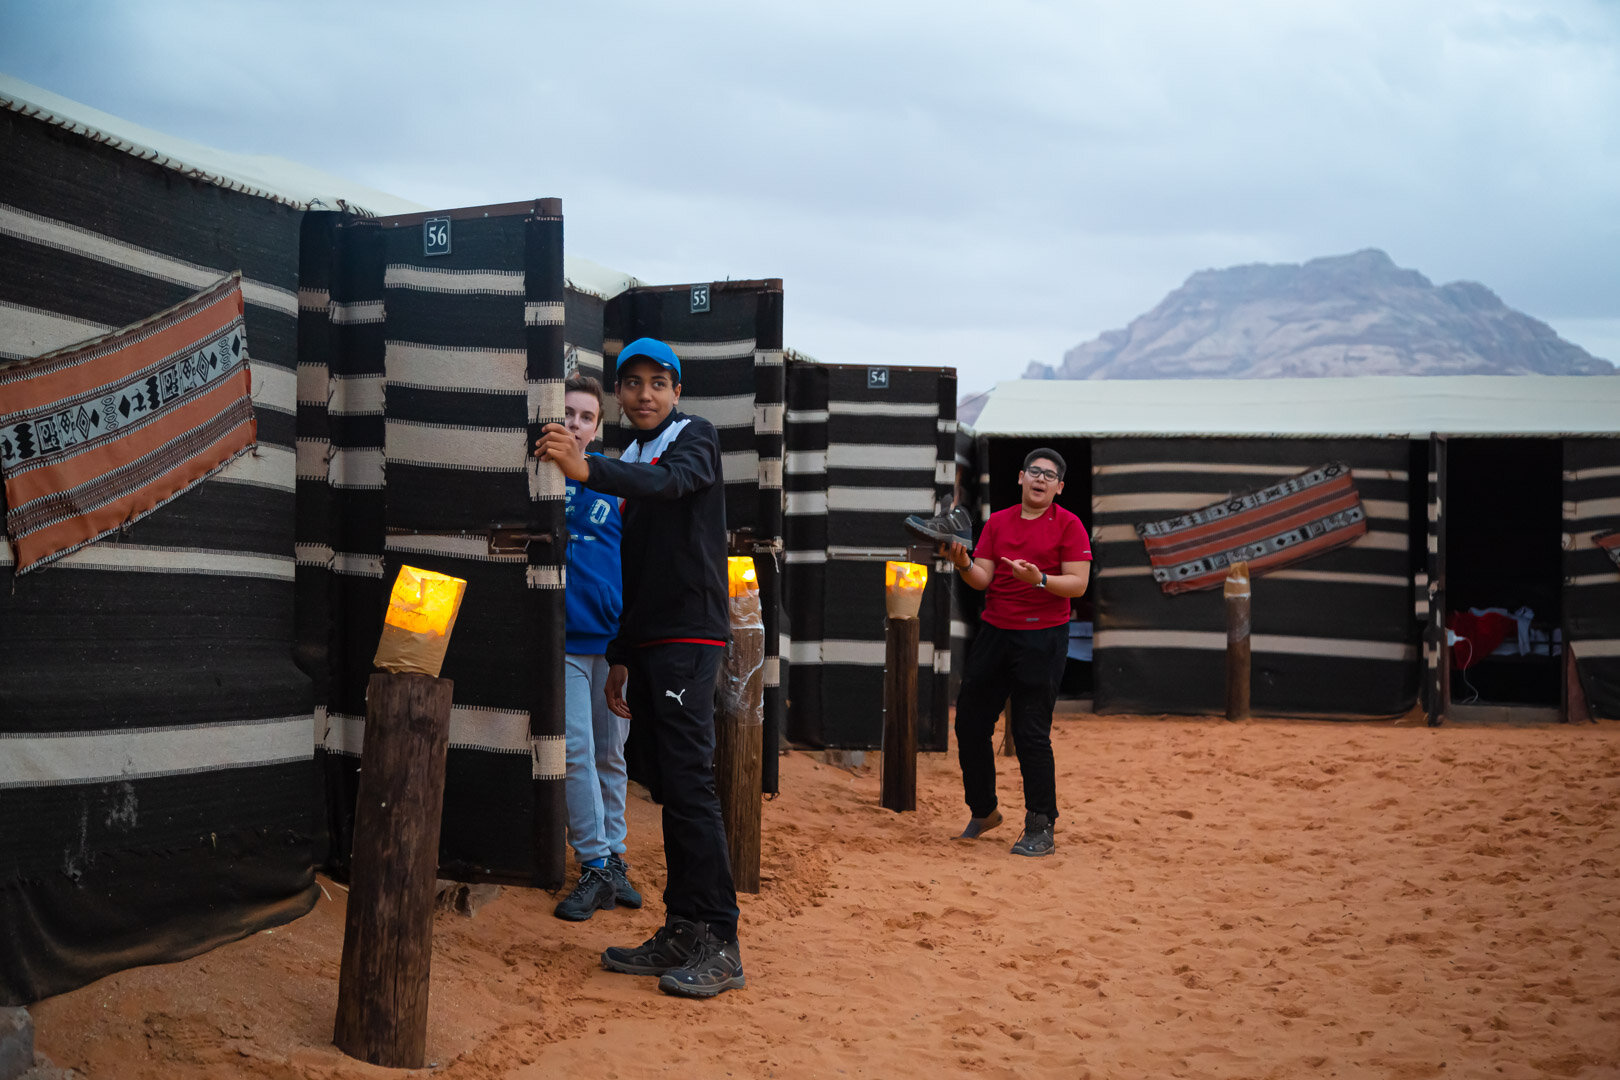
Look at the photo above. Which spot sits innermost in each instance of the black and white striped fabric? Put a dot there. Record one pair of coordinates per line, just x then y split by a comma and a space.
156, 774
733, 375
446, 368
1334, 635
1591, 581
864, 448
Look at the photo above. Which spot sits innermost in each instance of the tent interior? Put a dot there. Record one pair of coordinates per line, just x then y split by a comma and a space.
1503, 555
1006, 458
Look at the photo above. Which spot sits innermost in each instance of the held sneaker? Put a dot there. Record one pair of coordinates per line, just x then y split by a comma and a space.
593, 892
955, 527
715, 967
670, 948
624, 892
1037, 838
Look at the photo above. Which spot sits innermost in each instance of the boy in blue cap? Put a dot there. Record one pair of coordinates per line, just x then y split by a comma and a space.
666, 656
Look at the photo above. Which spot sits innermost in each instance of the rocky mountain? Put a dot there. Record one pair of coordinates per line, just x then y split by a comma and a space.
1357, 314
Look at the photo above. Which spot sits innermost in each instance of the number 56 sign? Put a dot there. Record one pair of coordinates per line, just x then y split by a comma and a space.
436, 236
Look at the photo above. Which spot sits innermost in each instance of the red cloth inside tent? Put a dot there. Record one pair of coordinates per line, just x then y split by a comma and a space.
1478, 636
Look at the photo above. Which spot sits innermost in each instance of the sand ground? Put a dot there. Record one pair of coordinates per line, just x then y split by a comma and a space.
1270, 899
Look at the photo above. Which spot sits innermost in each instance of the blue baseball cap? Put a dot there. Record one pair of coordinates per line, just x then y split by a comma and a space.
652, 349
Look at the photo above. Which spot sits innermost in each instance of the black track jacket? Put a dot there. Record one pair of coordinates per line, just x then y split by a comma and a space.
673, 555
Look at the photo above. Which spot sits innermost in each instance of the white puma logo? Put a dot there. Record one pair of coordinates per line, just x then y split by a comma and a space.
677, 697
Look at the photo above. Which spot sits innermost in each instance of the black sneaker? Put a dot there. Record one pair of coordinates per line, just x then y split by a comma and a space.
955, 527
670, 948
624, 892
593, 892
714, 968
1037, 838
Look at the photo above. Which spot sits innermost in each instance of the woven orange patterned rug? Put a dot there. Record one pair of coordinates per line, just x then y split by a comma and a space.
98, 435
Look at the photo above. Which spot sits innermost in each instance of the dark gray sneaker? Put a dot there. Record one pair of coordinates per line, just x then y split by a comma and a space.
955, 527
976, 827
670, 948
714, 968
593, 892
624, 892
1037, 838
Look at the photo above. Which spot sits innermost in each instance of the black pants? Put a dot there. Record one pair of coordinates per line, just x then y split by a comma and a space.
671, 698
1027, 666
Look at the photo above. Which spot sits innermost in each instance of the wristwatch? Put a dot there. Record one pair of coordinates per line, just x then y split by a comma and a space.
1041, 584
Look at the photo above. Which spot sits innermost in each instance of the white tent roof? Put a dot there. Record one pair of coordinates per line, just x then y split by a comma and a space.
1409, 406
254, 174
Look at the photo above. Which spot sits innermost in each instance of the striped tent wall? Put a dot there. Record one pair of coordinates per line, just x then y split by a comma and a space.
450, 366
1591, 580
1333, 635
156, 783
733, 375
862, 451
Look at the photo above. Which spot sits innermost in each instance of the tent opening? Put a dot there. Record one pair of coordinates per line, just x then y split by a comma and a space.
1504, 582
1006, 459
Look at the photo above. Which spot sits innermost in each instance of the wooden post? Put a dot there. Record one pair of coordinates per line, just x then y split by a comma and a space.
739, 743
899, 790
388, 931
1237, 642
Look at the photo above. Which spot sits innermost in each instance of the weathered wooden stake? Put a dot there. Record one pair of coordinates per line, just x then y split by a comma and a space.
899, 790
1009, 748
1237, 642
739, 743
388, 931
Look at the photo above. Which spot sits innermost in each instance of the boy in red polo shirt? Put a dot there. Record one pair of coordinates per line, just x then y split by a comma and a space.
1031, 559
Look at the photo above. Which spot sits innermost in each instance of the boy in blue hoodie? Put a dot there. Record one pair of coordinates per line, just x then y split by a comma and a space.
596, 777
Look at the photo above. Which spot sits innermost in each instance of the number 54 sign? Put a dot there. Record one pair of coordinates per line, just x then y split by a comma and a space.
436, 236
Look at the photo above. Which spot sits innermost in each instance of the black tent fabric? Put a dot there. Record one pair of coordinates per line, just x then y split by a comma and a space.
865, 447
1333, 636
157, 791
445, 368
1591, 581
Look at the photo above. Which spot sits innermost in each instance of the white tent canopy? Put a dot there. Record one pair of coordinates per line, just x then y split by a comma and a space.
1374, 405
254, 174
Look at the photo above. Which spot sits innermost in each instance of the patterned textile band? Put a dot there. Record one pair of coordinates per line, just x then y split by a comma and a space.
96, 436
1270, 527
1610, 543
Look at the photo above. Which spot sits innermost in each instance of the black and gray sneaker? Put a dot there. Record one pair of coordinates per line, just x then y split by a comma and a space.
1037, 838
624, 892
669, 949
593, 892
714, 968
954, 527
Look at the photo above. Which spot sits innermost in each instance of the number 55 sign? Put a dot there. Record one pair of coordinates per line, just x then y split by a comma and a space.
436, 236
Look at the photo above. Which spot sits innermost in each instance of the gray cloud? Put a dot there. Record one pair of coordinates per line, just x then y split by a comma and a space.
988, 184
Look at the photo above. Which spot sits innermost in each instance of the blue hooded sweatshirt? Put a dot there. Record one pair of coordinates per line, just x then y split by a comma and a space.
594, 598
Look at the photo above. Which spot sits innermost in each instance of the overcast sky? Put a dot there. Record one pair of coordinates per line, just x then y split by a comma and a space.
970, 184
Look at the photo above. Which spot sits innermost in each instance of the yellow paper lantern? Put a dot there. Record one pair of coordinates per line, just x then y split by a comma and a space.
422, 610
903, 584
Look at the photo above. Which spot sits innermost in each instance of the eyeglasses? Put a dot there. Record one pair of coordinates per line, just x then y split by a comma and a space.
1035, 472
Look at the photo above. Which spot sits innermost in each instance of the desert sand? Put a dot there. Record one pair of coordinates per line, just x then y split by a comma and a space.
1267, 899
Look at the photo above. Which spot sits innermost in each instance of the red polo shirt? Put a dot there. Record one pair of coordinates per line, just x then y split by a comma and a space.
1048, 541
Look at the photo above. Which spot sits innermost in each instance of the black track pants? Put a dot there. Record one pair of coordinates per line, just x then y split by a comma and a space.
1026, 665
671, 696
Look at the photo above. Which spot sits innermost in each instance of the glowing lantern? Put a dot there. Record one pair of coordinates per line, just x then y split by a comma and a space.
740, 575
422, 611
903, 584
